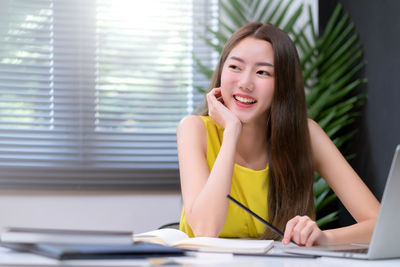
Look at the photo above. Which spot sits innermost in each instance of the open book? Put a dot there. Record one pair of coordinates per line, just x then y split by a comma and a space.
176, 238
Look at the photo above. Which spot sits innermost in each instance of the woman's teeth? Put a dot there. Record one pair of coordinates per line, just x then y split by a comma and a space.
244, 100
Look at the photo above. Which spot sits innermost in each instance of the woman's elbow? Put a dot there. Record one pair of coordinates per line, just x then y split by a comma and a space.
203, 228
205, 232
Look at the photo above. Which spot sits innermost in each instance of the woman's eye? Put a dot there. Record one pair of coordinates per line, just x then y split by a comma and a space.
262, 72
234, 67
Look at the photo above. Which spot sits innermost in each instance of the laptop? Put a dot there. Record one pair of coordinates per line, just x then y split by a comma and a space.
385, 238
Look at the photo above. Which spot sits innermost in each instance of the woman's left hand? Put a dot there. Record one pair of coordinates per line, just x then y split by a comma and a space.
304, 232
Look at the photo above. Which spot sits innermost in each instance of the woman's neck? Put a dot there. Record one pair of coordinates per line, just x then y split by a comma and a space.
252, 147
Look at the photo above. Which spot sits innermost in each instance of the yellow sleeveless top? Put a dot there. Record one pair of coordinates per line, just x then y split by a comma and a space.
249, 187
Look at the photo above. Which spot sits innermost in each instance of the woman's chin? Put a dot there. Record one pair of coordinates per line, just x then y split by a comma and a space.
251, 119
244, 119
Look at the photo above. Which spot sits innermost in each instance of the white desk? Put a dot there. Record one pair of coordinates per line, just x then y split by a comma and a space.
11, 258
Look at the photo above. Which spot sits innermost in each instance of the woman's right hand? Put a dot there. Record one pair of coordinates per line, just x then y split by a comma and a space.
220, 113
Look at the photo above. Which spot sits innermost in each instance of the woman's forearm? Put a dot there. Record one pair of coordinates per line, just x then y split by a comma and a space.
208, 212
357, 233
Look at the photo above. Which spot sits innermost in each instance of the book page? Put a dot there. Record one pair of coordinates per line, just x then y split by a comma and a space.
167, 236
177, 238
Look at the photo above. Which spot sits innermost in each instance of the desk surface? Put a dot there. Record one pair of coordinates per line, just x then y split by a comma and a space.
11, 258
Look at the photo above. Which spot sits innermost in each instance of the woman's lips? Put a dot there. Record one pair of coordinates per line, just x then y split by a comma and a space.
244, 101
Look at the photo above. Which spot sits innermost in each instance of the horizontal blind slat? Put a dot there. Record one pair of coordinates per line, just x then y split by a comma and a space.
83, 87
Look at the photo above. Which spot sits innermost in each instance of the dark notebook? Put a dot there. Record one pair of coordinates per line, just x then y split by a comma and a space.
70, 252
65, 236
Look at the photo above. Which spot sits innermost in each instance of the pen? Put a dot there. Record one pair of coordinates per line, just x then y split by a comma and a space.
270, 226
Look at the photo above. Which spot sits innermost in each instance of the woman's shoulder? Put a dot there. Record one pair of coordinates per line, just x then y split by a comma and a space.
197, 121
314, 128
190, 125
321, 144
190, 121
312, 124
191, 130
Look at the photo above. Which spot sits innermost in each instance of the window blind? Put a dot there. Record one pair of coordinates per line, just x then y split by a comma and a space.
92, 91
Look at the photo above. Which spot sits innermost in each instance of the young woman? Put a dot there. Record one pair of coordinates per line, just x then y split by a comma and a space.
256, 143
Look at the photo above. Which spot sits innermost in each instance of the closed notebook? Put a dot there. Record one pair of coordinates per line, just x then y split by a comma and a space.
176, 238
74, 252
65, 236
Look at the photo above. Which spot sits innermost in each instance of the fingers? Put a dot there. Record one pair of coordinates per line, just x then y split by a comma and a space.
215, 94
302, 230
220, 113
211, 99
216, 105
289, 230
218, 95
312, 240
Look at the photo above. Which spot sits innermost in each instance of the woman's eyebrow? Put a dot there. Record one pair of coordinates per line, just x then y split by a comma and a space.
261, 63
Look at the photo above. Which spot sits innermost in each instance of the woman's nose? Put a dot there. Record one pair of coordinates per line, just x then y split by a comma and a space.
246, 82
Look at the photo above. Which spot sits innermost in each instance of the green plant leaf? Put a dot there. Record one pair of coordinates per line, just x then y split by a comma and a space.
255, 6
319, 104
283, 13
339, 141
274, 12
225, 27
311, 23
328, 29
263, 13
339, 96
326, 118
321, 198
293, 20
239, 9
202, 68
328, 199
340, 39
333, 36
320, 186
221, 38
329, 67
200, 89
331, 24
237, 18
327, 219
216, 47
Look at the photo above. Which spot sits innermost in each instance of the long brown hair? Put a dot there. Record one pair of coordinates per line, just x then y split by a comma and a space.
291, 170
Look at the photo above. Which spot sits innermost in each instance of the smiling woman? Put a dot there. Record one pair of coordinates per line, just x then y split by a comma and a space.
254, 137
255, 143
91, 91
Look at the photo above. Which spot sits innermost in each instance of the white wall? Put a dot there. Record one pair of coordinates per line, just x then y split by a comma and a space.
102, 210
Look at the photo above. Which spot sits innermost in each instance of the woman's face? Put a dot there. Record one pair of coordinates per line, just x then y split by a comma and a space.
248, 80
